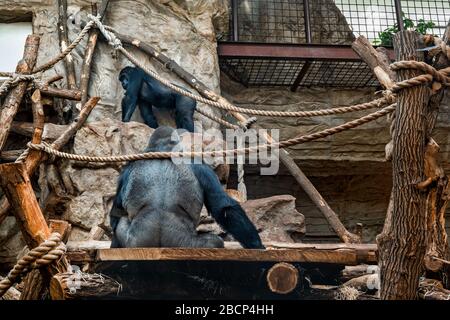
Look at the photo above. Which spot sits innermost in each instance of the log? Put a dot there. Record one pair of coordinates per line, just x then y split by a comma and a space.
350, 272
11, 294
282, 278
34, 286
38, 124
364, 283
62, 227
63, 34
69, 94
66, 286
16, 184
402, 243
376, 60
10, 155
89, 52
87, 61
430, 289
51, 131
287, 160
14, 98
57, 144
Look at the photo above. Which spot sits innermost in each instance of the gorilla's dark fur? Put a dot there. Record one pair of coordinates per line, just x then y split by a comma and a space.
158, 203
145, 91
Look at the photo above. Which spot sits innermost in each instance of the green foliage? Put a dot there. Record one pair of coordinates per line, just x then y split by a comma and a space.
385, 37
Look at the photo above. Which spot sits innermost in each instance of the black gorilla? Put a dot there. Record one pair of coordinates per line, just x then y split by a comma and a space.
158, 203
145, 91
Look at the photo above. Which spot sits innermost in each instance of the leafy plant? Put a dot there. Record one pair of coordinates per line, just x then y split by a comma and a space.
385, 37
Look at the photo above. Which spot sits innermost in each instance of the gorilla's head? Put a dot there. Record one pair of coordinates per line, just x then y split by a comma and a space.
124, 76
163, 139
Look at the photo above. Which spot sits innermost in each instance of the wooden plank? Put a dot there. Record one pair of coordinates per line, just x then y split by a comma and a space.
339, 256
85, 251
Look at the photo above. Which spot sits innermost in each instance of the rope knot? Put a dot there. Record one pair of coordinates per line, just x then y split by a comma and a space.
47, 252
110, 36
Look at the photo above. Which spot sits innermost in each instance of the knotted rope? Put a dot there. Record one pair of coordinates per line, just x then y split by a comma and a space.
16, 78
13, 81
164, 155
117, 44
47, 252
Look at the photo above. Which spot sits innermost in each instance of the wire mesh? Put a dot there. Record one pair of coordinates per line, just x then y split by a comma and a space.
278, 72
331, 21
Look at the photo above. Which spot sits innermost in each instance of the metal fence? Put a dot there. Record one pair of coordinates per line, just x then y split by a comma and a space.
330, 21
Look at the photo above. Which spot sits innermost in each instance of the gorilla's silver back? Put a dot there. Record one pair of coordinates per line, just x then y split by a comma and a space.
161, 185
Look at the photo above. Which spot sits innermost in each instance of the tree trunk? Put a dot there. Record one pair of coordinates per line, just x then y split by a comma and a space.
402, 243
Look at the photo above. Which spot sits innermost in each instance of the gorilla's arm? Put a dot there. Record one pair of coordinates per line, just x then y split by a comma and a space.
225, 210
118, 210
130, 100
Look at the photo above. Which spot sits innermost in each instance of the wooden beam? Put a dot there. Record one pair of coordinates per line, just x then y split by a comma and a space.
11, 294
344, 257
291, 51
14, 97
66, 286
63, 34
282, 278
33, 163
51, 131
376, 60
17, 186
69, 94
10, 155
89, 52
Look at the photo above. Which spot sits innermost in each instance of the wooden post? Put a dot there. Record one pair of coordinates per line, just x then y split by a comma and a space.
89, 52
287, 160
14, 98
282, 278
17, 186
403, 241
33, 163
376, 60
63, 33
66, 286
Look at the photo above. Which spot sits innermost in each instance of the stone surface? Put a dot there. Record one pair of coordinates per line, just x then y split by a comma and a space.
11, 243
276, 218
96, 187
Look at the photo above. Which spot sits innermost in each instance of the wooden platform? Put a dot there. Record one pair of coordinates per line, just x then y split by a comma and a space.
343, 254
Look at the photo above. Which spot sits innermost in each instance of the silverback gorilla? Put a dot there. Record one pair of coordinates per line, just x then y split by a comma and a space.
158, 203
145, 91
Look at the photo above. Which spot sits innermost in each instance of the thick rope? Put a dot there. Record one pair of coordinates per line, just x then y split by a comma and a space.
66, 51
6, 74
8, 83
164, 155
117, 44
422, 66
15, 79
46, 253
